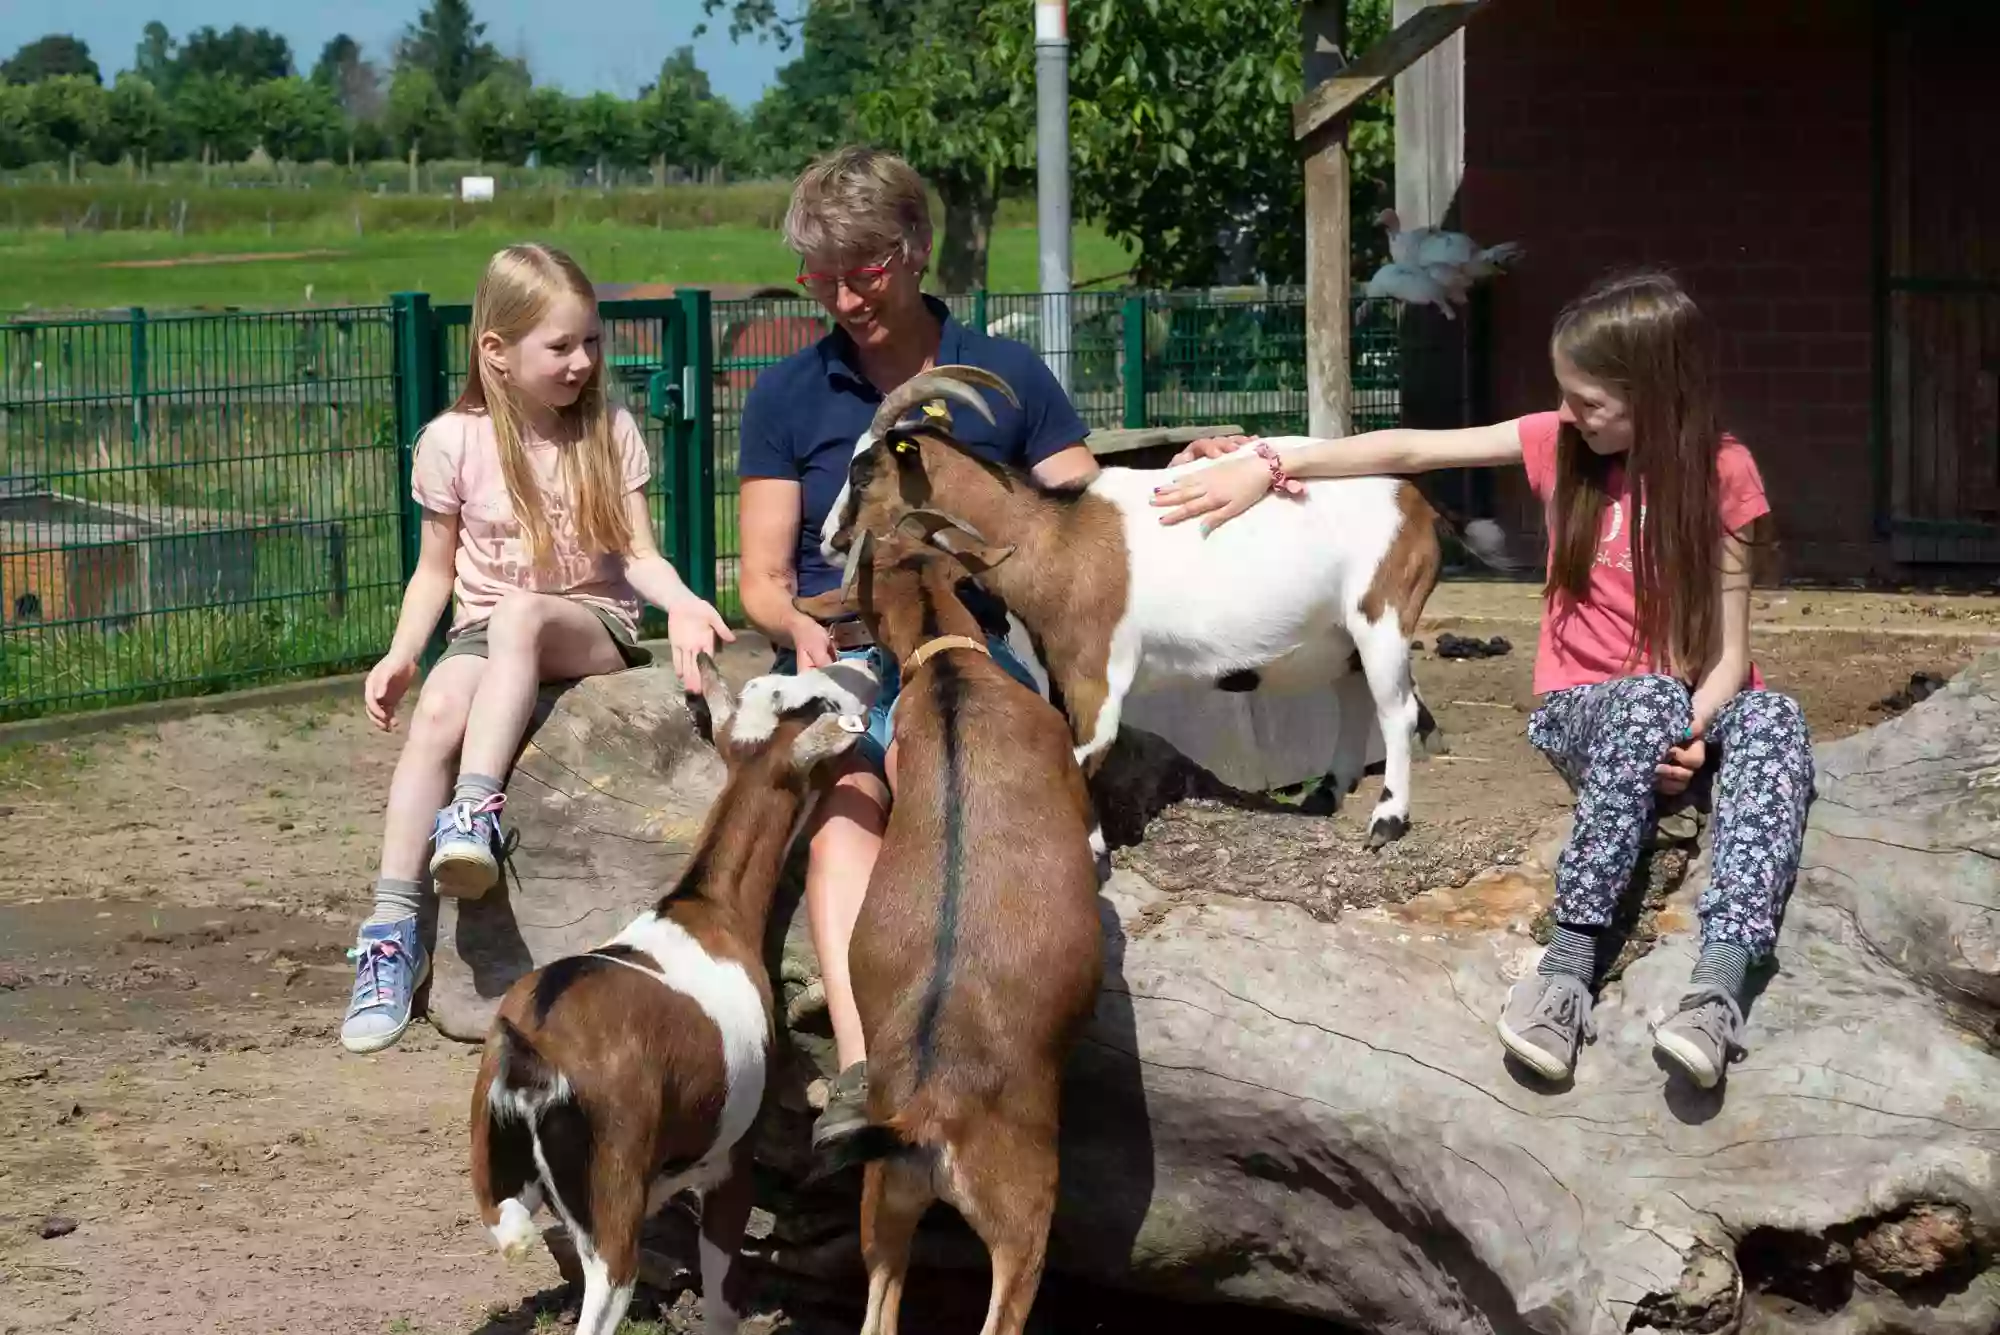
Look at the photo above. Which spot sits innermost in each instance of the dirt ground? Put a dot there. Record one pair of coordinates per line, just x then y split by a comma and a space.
175, 900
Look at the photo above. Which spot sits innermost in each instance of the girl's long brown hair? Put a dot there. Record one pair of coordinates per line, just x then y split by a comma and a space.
516, 291
1643, 337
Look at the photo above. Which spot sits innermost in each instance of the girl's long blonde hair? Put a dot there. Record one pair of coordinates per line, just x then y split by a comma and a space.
516, 291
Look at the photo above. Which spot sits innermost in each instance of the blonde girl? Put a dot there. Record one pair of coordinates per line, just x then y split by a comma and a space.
1643, 663
535, 525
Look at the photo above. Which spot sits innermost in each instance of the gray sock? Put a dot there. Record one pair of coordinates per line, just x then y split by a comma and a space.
1572, 951
475, 788
394, 901
1724, 964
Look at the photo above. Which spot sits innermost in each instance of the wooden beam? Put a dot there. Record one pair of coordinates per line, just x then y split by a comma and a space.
1329, 322
1330, 100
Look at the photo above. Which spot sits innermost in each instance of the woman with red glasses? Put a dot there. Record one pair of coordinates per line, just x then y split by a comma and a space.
860, 223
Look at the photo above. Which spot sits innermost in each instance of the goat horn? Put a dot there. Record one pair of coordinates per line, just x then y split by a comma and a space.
933, 520
858, 553
948, 382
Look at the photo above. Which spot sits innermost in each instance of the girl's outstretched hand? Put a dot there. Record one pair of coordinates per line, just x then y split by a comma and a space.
1218, 494
387, 683
693, 627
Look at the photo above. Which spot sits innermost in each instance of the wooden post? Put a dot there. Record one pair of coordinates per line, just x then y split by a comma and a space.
1329, 381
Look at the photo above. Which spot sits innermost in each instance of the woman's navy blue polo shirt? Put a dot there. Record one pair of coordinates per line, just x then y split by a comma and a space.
804, 414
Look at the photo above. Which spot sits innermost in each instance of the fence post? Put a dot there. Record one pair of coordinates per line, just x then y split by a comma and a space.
140, 382
416, 389
695, 478
1133, 321
979, 309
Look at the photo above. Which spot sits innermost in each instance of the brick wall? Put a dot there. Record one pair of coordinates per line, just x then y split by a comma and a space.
1730, 141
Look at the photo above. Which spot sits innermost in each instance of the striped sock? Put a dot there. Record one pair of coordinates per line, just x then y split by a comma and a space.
1725, 964
475, 788
1572, 951
394, 901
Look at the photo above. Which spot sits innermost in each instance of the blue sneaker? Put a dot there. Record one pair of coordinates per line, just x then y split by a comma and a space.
464, 863
390, 965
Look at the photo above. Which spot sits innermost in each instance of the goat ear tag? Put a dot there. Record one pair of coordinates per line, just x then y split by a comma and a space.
852, 723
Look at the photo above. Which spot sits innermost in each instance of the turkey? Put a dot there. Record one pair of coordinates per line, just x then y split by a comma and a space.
1426, 247
1413, 286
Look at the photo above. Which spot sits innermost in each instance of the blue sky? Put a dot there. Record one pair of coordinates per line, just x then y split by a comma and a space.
619, 47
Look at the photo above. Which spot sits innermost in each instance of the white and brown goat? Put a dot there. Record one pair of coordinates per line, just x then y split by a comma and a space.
978, 953
615, 1079
1296, 593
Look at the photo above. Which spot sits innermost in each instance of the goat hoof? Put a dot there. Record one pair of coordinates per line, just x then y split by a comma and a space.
1386, 830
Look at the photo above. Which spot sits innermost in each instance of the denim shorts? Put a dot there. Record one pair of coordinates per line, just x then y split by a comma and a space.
874, 746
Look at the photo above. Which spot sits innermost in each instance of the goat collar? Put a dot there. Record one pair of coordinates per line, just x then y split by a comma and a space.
931, 648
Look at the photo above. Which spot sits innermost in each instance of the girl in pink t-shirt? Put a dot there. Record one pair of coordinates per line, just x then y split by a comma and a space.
1643, 661
536, 526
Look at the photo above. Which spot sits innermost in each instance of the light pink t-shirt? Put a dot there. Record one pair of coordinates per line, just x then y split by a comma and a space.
1585, 642
457, 472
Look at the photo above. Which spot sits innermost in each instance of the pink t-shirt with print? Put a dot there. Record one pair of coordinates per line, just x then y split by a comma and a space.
1585, 642
457, 472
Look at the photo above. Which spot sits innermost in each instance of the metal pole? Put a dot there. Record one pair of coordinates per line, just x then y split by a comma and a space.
1052, 180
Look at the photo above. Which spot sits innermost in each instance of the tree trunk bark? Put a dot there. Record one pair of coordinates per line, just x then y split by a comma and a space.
968, 231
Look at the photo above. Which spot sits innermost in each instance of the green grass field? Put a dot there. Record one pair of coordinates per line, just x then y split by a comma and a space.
40, 270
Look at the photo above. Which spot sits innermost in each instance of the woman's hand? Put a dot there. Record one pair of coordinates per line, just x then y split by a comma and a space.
693, 627
1221, 493
812, 642
1209, 447
387, 683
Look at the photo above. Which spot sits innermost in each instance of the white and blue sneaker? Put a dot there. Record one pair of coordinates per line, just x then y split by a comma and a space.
390, 965
466, 838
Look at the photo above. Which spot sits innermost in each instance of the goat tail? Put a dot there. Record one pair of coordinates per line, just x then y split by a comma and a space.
507, 1180
1483, 538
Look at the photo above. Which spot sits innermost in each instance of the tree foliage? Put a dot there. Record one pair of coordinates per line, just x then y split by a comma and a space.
247, 55
449, 44
138, 120
296, 119
417, 116
56, 56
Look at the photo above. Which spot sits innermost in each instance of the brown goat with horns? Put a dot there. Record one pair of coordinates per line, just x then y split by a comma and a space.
978, 953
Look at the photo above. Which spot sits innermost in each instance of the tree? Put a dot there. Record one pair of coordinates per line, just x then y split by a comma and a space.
495, 119
20, 139
67, 113
551, 120
297, 120
248, 55
137, 118
155, 60
417, 116
213, 114
603, 132
51, 57
447, 43
810, 107
679, 120
354, 82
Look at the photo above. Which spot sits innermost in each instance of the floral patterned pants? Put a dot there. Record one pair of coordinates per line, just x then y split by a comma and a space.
1606, 738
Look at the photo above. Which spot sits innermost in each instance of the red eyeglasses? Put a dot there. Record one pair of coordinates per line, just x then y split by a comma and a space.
865, 281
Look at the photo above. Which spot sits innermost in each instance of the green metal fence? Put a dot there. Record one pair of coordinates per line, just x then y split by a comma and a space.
196, 503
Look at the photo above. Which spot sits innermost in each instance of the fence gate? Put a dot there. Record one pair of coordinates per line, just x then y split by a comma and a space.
1942, 341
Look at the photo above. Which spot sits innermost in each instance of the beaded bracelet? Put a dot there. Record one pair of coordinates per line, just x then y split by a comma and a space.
1280, 481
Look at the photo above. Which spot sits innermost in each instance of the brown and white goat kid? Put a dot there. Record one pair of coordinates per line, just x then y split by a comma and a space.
615, 1079
978, 954
1295, 592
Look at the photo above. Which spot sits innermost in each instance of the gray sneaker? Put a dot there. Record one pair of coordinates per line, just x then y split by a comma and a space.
1544, 1017
1703, 1036
846, 1110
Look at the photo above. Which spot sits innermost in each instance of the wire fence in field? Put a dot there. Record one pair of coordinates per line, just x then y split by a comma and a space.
199, 502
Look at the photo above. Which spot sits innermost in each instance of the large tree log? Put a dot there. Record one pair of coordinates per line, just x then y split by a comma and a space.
1314, 1116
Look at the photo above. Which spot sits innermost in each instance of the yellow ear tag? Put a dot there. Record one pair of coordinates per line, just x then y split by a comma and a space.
905, 445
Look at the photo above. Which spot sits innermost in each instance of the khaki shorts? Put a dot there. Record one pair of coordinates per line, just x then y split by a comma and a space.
472, 640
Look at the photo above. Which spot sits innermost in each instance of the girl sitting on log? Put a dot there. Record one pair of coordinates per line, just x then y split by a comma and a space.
535, 522
1643, 662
